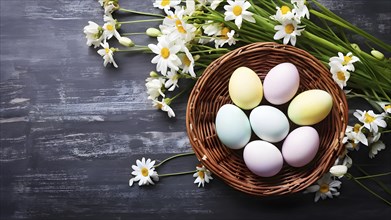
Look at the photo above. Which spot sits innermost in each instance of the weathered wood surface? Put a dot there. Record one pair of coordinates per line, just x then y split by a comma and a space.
71, 129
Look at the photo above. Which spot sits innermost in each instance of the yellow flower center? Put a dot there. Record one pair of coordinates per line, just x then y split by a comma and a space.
324, 188
186, 61
354, 145
144, 171
201, 174
165, 52
110, 27
179, 26
289, 28
224, 33
237, 10
346, 60
356, 128
387, 107
285, 9
107, 50
368, 118
341, 76
165, 2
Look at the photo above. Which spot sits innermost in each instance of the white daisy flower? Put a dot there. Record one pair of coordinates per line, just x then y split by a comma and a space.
166, 57
190, 7
172, 81
164, 106
225, 36
166, 4
109, 29
211, 28
338, 170
375, 148
354, 135
370, 119
94, 34
213, 3
154, 87
187, 60
344, 160
237, 10
283, 13
176, 27
109, 6
340, 73
326, 187
300, 9
287, 30
202, 175
385, 106
346, 60
108, 54
144, 172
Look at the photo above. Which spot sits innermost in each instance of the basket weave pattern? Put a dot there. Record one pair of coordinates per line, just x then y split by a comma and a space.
211, 92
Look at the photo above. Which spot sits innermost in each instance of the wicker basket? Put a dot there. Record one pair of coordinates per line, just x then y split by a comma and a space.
211, 92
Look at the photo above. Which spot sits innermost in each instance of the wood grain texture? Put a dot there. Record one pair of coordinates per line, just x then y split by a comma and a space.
70, 129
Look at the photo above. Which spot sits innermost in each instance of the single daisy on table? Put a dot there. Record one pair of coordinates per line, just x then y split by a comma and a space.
144, 172
325, 187
202, 175
108, 54
164, 106
94, 34
340, 73
370, 119
166, 57
288, 30
237, 10
345, 60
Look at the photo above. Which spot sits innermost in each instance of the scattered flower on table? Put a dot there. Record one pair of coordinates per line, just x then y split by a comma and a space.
202, 176
237, 10
371, 120
326, 187
144, 172
108, 54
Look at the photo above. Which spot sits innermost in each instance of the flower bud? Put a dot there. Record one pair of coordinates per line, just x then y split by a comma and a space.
153, 32
153, 74
377, 54
355, 47
339, 170
125, 41
196, 57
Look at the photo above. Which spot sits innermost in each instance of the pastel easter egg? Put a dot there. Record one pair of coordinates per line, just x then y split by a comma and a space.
269, 123
310, 107
232, 126
245, 88
300, 146
262, 158
281, 83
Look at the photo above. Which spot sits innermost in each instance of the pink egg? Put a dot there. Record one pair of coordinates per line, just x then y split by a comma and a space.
262, 158
281, 83
300, 146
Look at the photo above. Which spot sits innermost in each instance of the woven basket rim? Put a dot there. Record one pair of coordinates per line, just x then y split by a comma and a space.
203, 141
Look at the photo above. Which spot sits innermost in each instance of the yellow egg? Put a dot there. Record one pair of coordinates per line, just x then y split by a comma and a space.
310, 107
245, 88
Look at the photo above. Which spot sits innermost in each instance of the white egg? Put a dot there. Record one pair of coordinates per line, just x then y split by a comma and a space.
269, 123
262, 158
232, 127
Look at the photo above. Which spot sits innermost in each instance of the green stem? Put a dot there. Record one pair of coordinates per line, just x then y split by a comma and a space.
380, 183
140, 13
172, 157
175, 174
130, 34
370, 191
372, 176
140, 21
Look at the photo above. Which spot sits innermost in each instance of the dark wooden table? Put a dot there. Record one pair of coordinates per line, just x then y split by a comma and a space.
71, 129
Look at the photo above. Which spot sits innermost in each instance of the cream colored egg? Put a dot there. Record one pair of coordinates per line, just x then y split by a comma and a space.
245, 88
310, 107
